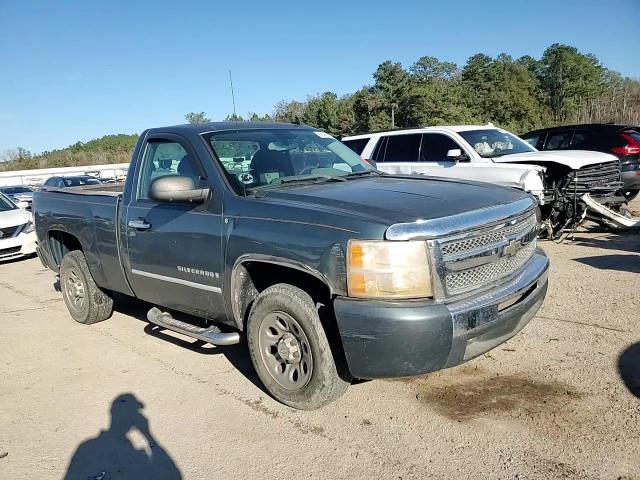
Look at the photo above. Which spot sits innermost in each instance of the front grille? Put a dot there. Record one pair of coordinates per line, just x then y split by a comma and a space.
460, 282
10, 251
480, 258
10, 231
602, 178
457, 247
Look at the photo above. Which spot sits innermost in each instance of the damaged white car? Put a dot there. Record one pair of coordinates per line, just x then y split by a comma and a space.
569, 185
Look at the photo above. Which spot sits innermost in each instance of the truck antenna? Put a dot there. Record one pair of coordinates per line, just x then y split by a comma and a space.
233, 97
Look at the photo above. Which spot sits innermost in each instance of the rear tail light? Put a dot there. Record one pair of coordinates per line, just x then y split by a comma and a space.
631, 148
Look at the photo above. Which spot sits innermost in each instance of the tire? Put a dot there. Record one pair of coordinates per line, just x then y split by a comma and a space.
279, 313
87, 303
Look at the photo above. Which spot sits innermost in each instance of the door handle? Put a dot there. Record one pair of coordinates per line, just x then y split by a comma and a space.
139, 224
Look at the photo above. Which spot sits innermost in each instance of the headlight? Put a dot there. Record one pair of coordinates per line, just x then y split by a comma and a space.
386, 269
28, 228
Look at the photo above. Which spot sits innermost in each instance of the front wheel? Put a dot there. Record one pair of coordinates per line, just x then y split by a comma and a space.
290, 351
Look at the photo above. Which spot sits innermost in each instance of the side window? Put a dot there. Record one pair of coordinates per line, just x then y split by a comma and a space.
356, 145
559, 140
581, 138
435, 147
532, 139
403, 148
378, 151
163, 158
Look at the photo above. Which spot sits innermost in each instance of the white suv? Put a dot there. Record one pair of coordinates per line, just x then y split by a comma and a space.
558, 179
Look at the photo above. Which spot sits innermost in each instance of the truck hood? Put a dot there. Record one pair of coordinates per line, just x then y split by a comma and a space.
394, 199
574, 159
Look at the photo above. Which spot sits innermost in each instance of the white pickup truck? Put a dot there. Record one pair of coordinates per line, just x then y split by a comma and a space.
567, 184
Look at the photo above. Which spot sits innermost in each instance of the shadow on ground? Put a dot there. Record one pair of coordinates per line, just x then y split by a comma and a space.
621, 263
113, 455
624, 241
629, 368
238, 355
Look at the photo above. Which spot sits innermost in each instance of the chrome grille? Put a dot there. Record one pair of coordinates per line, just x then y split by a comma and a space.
460, 282
599, 178
479, 258
456, 247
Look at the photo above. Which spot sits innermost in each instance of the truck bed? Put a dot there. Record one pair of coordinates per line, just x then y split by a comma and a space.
90, 214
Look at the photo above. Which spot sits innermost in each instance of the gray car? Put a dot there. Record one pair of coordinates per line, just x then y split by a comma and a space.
20, 194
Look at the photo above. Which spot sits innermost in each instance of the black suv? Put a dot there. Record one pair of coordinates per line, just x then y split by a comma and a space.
623, 141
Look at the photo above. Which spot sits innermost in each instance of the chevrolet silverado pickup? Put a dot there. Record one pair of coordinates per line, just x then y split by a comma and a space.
281, 236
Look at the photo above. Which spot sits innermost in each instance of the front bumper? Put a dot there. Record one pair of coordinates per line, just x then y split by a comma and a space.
385, 339
19, 246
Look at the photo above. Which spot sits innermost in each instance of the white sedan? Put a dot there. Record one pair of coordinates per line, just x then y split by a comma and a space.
17, 233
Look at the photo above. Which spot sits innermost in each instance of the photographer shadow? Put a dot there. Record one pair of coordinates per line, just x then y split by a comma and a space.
112, 454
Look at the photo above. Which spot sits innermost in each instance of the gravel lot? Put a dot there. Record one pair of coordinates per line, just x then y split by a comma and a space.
560, 400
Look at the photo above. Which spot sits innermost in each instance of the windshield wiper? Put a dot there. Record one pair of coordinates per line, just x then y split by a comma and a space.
310, 178
298, 179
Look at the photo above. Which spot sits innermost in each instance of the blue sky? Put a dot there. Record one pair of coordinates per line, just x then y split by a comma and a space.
76, 70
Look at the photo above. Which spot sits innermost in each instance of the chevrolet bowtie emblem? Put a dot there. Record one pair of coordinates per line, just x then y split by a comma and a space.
511, 249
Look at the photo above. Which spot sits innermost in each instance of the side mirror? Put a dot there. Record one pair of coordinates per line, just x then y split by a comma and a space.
176, 188
456, 154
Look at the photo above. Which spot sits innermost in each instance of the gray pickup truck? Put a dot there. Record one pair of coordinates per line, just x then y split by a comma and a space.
281, 235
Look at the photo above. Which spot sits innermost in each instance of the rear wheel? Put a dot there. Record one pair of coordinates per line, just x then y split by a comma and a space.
87, 303
290, 351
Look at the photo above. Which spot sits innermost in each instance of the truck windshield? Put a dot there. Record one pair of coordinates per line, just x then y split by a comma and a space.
492, 143
259, 158
6, 204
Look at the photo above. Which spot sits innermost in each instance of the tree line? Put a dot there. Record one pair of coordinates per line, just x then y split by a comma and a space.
563, 86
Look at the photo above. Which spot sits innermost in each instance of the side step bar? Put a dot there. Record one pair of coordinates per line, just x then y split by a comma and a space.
211, 335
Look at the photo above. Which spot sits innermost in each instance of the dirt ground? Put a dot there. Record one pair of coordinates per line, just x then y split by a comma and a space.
560, 400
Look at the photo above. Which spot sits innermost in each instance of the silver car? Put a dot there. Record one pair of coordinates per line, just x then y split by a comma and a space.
21, 195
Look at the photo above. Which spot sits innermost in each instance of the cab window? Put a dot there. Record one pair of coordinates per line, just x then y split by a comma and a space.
163, 158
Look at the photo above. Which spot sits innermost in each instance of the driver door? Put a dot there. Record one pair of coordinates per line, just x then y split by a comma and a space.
174, 249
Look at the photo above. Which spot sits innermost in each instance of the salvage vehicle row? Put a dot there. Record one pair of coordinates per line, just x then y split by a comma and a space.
568, 185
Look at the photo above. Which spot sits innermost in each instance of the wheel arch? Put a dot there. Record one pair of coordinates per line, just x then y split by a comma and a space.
253, 273
60, 242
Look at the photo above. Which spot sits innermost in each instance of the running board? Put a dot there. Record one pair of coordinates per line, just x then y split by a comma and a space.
619, 221
211, 334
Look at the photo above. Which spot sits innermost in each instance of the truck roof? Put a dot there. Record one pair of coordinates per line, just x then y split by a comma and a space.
199, 128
